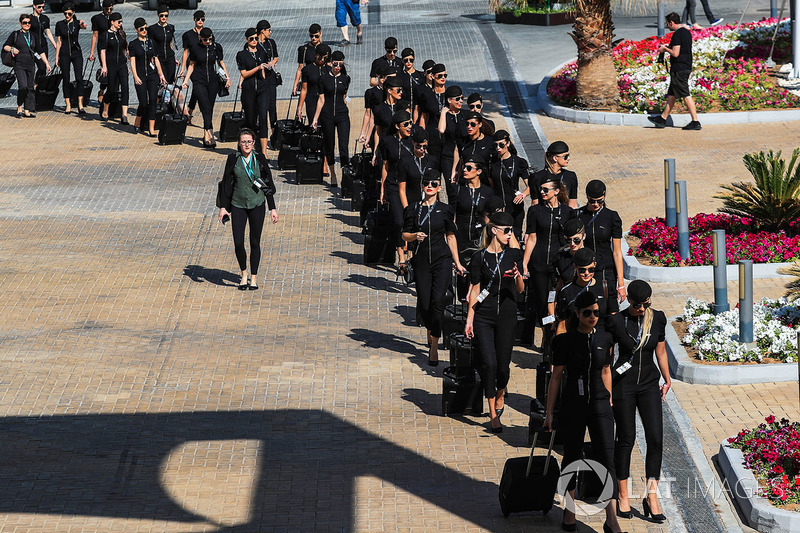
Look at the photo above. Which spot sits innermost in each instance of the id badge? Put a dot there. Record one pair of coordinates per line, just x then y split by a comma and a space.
551, 297
623, 368
482, 296
580, 387
548, 320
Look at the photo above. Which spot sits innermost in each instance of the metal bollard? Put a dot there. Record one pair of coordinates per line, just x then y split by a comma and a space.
661, 16
773, 9
669, 192
720, 272
745, 301
682, 213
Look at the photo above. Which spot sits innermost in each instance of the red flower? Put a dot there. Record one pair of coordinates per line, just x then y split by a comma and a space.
770, 419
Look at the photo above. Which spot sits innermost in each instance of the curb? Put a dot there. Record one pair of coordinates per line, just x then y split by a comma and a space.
760, 514
683, 368
708, 474
582, 116
633, 269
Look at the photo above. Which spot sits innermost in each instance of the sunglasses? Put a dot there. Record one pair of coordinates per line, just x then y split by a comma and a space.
398, 89
545, 190
26, 22
506, 230
250, 39
338, 63
143, 29
470, 168
585, 270
441, 76
408, 60
471, 124
428, 70
246, 143
406, 124
421, 147
565, 156
206, 40
644, 305
501, 144
595, 201
201, 19
315, 35
576, 240
163, 15
457, 98
475, 106
586, 313
68, 13
391, 50
432, 183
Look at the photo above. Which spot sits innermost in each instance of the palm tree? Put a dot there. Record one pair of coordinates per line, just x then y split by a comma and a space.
593, 33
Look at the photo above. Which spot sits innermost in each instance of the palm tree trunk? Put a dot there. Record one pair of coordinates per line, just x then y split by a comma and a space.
593, 33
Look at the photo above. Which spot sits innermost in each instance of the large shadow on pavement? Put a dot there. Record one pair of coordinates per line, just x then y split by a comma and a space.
308, 463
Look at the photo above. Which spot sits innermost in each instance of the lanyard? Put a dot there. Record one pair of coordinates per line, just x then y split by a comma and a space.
418, 162
27, 38
419, 213
594, 217
513, 168
496, 268
248, 168
581, 292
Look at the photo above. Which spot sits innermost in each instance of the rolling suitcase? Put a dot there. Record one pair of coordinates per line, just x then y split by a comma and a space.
357, 196
309, 168
114, 104
88, 86
46, 99
529, 483
378, 247
173, 130
231, 122
461, 394
589, 486
311, 143
453, 322
7, 79
281, 127
543, 374
287, 157
463, 354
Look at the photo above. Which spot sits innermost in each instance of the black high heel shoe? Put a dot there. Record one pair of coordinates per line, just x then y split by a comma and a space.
657, 518
607, 529
624, 514
569, 527
243, 285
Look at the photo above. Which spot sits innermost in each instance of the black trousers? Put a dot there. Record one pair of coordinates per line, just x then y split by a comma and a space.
147, 94
206, 97
518, 212
25, 79
272, 105
311, 106
574, 417
239, 219
446, 168
76, 60
41, 68
192, 101
494, 332
432, 280
256, 106
647, 399
539, 285
392, 195
118, 81
168, 68
331, 126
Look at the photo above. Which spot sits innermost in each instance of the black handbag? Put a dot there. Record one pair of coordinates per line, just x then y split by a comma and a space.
222, 91
278, 79
408, 275
100, 77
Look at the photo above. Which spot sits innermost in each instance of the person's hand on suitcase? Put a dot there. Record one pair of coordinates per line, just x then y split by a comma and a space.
228, 84
468, 330
460, 270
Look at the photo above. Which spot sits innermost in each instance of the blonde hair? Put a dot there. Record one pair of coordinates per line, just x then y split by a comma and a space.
646, 325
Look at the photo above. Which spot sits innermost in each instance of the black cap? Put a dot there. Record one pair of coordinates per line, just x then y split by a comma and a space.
115, 16
323, 50
250, 32
163, 8
392, 82
639, 291
474, 115
558, 147
263, 25
338, 55
501, 219
474, 97
572, 227
385, 70
400, 117
583, 257
419, 135
199, 14
390, 43
108, 3
429, 63
585, 299
138, 23
432, 174
437, 68
206, 33
314, 28
476, 159
551, 178
493, 205
69, 6
595, 189
407, 52
501, 135
452, 91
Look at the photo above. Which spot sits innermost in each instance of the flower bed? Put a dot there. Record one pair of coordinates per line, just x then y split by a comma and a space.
716, 337
729, 71
743, 240
772, 452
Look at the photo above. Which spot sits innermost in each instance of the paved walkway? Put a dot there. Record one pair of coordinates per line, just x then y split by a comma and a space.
142, 392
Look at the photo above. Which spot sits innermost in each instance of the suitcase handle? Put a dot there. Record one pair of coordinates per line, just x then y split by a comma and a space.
236, 98
289, 109
549, 452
